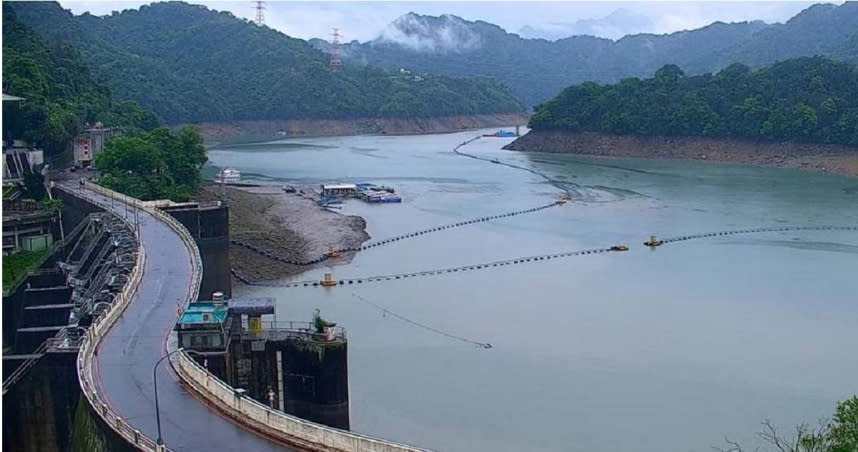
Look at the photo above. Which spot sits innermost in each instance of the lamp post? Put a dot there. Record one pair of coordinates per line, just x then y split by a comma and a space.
160, 441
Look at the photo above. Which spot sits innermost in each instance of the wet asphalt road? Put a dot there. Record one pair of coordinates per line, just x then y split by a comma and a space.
130, 349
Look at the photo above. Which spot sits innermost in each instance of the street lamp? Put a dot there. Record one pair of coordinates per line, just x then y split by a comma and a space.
160, 441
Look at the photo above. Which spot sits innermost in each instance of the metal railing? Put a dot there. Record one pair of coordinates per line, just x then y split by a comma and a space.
302, 331
188, 239
306, 434
254, 414
95, 334
106, 320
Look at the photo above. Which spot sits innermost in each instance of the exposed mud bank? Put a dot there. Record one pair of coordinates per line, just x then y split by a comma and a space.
243, 131
284, 224
815, 157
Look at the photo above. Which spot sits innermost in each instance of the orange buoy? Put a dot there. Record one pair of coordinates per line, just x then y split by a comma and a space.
328, 280
332, 253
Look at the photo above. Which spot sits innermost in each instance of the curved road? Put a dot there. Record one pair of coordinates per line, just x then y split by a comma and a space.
128, 351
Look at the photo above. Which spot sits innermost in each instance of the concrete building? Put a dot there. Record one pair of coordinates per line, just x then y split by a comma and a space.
89, 144
26, 227
297, 367
203, 325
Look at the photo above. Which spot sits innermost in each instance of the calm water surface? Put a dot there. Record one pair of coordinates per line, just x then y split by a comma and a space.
671, 349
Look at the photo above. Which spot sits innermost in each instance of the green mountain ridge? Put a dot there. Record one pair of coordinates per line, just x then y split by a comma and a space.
809, 99
191, 64
537, 69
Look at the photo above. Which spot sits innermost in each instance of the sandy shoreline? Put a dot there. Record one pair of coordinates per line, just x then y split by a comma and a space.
284, 224
806, 156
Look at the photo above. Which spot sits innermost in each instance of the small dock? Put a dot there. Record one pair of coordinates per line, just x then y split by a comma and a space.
371, 193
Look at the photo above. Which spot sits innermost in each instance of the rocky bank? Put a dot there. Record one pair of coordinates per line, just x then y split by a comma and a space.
215, 133
816, 157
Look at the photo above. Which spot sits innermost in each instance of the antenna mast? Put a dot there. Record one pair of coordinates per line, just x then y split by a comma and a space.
336, 52
260, 14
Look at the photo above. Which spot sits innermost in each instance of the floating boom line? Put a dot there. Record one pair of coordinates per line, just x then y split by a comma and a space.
560, 185
529, 259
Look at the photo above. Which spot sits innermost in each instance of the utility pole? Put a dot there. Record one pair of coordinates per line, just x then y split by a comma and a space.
260, 13
336, 52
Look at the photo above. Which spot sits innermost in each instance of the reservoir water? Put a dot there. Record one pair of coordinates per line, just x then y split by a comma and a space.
648, 350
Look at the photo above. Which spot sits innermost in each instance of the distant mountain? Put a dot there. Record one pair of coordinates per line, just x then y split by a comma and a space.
536, 69
190, 64
610, 26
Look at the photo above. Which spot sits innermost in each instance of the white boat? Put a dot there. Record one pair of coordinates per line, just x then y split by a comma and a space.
228, 176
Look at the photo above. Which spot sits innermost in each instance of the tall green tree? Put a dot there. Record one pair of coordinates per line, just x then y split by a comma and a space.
844, 428
62, 94
159, 164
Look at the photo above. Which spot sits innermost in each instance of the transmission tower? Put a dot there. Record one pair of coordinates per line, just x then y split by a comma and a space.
336, 52
260, 13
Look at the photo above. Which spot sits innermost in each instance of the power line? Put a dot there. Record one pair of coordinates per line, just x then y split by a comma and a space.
386, 311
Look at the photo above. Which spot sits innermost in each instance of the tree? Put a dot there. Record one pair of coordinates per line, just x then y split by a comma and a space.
669, 73
60, 91
154, 165
236, 71
841, 435
844, 429
806, 100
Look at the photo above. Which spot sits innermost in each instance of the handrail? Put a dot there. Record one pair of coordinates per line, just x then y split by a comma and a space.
244, 411
95, 334
187, 238
105, 411
250, 412
307, 434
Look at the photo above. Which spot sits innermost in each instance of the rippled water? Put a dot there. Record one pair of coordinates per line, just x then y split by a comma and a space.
671, 349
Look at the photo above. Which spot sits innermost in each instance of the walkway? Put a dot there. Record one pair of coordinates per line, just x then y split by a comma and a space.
130, 349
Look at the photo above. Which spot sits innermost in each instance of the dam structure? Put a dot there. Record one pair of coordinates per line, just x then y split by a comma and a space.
128, 351
132, 343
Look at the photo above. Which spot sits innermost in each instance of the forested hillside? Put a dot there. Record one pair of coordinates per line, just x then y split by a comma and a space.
536, 69
805, 100
188, 64
61, 93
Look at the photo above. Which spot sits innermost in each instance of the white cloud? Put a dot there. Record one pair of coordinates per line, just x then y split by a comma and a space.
453, 35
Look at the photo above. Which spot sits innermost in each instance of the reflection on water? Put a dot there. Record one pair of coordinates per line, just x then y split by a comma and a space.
648, 350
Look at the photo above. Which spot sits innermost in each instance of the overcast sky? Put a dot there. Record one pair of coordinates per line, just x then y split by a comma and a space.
365, 20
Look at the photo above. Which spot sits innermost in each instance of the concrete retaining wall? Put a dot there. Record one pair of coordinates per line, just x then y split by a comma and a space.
242, 410
290, 429
95, 333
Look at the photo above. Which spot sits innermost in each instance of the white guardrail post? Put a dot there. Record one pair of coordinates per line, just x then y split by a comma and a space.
249, 412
